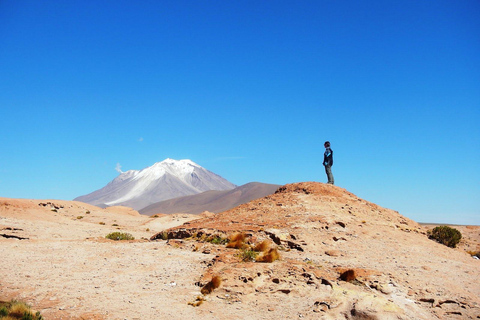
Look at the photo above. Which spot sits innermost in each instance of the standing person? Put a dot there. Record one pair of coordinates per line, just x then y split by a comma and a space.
328, 162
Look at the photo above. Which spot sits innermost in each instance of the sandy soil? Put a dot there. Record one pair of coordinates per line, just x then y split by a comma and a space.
56, 258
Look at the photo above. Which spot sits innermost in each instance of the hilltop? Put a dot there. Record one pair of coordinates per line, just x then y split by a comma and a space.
393, 271
324, 231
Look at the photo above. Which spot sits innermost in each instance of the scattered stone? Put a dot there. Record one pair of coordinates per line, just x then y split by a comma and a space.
333, 253
286, 291
428, 300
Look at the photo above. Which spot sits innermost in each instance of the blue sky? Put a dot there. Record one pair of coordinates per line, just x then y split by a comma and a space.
249, 90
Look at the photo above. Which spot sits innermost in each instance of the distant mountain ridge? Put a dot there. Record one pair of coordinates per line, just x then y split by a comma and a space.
164, 180
214, 201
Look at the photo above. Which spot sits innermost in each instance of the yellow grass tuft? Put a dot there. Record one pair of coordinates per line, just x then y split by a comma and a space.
17, 310
237, 241
262, 246
197, 301
269, 256
212, 285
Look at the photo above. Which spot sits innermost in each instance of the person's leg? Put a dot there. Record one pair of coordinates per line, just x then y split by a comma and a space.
328, 170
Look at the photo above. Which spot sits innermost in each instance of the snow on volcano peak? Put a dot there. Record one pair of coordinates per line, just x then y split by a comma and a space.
163, 180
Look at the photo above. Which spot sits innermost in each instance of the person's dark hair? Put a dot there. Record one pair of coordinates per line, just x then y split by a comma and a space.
327, 144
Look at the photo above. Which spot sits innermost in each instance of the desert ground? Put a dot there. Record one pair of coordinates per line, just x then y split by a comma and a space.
341, 257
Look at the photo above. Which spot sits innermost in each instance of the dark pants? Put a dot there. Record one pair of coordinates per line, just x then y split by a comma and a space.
328, 171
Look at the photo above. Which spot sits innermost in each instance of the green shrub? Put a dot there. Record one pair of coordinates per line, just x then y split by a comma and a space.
248, 254
217, 240
119, 236
445, 235
3, 312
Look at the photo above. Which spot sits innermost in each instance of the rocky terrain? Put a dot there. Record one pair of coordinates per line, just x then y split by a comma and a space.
340, 257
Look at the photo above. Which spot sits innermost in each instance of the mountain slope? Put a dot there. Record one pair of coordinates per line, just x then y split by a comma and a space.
163, 180
213, 201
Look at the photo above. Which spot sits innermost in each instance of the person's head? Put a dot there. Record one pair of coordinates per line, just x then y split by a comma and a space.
327, 144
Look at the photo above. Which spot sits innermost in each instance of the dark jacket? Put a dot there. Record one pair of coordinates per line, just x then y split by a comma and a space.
328, 157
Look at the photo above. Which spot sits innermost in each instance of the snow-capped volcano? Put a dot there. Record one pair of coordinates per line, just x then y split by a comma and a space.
162, 181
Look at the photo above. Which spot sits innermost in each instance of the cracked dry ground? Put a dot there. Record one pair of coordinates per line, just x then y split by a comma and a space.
321, 231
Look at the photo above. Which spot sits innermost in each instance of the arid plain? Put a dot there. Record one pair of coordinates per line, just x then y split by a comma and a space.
56, 258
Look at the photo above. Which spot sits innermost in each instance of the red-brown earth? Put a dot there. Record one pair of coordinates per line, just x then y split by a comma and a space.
63, 266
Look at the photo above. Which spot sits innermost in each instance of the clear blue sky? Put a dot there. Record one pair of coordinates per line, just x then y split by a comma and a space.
249, 90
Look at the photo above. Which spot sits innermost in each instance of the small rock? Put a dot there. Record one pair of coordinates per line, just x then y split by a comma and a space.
333, 253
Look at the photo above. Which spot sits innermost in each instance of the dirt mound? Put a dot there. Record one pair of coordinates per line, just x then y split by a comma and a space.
308, 202
321, 232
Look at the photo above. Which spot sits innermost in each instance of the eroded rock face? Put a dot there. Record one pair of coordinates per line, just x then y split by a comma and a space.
340, 257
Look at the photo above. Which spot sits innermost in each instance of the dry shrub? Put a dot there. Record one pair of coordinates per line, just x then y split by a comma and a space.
18, 310
119, 236
269, 256
262, 246
197, 301
237, 241
348, 276
212, 285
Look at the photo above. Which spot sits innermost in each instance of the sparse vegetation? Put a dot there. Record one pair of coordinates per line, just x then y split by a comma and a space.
262, 246
212, 285
114, 225
445, 235
18, 310
164, 235
79, 217
102, 223
247, 254
119, 236
237, 241
269, 256
216, 239
261, 252
197, 301
88, 212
